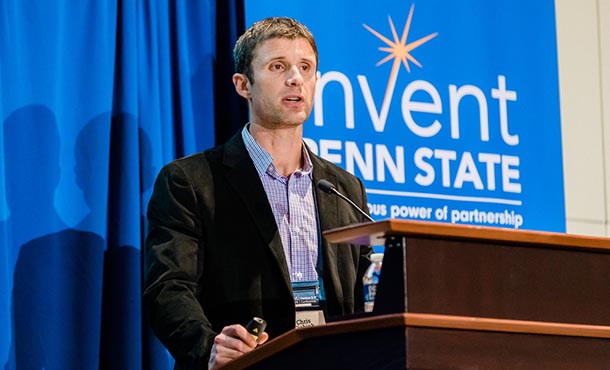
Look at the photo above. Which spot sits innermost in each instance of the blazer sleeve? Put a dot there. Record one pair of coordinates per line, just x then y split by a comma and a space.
174, 248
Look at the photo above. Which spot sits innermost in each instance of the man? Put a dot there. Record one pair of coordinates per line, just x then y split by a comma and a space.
234, 229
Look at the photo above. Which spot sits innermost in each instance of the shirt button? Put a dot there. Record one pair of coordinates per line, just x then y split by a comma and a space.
299, 275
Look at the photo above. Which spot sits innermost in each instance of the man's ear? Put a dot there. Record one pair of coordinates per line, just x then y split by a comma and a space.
242, 85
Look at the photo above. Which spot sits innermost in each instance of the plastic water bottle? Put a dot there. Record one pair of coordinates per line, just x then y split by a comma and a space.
370, 281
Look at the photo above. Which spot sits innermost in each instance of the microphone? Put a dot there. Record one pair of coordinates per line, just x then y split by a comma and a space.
328, 187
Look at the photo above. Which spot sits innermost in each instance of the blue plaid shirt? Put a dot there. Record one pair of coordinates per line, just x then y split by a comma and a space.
294, 208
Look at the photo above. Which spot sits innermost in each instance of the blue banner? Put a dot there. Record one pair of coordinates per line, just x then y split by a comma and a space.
448, 111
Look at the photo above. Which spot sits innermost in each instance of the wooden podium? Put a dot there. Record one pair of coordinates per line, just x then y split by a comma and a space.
464, 297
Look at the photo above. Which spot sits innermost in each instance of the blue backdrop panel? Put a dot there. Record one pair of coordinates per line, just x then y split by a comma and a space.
94, 98
449, 111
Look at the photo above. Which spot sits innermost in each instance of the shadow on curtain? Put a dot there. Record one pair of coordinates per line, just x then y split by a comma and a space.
94, 98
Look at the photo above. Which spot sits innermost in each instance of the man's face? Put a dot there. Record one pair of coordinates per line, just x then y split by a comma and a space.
284, 73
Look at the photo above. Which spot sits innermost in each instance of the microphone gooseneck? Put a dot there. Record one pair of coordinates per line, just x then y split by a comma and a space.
327, 187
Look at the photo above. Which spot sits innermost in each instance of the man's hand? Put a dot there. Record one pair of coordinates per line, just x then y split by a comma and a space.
232, 342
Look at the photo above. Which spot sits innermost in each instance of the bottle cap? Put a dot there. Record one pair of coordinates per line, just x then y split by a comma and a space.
376, 257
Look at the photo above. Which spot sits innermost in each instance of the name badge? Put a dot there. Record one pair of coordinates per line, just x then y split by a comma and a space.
306, 294
305, 318
307, 304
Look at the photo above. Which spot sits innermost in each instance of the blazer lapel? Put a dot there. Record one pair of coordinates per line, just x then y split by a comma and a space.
326, 203
242, 175
328, 209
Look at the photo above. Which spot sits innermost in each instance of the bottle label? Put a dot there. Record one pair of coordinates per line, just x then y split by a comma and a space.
370, 290
370, 280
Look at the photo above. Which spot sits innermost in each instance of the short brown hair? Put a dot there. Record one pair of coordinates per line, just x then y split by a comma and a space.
261, 31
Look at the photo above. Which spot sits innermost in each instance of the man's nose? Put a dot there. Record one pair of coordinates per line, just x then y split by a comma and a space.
294, 76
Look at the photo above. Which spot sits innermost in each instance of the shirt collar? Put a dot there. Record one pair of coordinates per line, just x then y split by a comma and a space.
263, 160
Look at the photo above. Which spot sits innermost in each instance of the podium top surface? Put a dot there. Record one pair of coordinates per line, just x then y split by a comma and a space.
375, 233
353, 327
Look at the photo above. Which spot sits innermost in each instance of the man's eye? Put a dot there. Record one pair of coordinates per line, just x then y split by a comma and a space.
277, 67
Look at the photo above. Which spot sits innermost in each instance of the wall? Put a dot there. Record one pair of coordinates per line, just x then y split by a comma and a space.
583, 43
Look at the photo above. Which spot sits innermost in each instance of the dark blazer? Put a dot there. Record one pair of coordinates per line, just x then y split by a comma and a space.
214, 256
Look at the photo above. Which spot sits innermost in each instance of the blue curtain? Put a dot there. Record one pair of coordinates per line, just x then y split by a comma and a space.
95, 97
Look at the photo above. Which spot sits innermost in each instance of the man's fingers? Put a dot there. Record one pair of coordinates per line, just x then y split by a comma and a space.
232, 342
263, 338
228, 345
240, 333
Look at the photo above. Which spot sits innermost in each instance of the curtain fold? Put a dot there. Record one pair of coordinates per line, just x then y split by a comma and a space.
94, 98
229, 121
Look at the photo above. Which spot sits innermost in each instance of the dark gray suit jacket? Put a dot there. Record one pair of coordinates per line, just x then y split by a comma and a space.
214, 256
